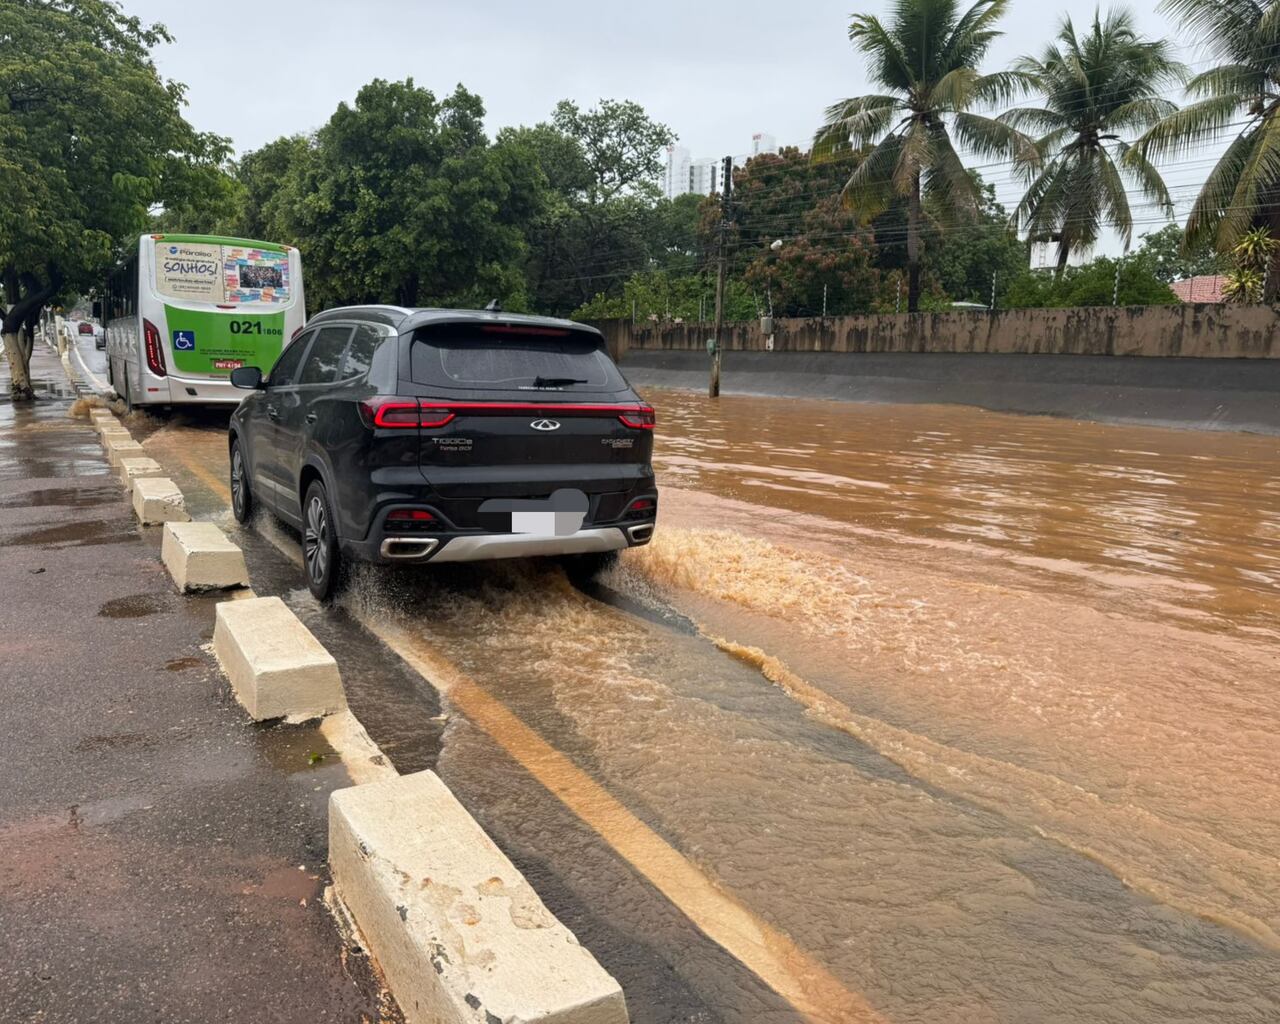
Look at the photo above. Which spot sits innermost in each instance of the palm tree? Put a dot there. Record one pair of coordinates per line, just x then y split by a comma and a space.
926, 60
1095, 90
1243, 91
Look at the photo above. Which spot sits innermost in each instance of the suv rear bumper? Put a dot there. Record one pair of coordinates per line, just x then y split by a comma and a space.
483, 547
392, 548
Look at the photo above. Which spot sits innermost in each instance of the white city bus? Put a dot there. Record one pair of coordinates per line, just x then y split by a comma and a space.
183, 311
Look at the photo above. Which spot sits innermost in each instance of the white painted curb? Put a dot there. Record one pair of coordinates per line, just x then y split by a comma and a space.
360, 755
131, 470
200, 557
458, 932
276, 667
156, 499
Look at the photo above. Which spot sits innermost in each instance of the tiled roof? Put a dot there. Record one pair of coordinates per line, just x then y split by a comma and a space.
1205, 288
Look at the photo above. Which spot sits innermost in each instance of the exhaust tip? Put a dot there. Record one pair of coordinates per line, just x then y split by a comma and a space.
408, 547
640, 534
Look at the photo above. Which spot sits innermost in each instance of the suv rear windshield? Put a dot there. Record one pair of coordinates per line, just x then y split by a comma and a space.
499, 357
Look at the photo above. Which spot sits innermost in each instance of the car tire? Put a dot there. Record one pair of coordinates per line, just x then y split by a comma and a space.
241, 495
586, 567
321, 559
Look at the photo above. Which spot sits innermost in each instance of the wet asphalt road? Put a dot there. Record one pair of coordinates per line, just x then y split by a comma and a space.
161, 858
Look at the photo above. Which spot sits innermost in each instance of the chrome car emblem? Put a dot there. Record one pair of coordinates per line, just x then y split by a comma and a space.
545, 425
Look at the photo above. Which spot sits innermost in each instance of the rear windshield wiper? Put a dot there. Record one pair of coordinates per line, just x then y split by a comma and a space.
557, 382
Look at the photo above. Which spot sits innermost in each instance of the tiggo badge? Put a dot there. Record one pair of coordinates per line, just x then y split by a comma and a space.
545, 425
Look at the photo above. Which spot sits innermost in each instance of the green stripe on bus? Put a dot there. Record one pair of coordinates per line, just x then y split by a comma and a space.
208, 342
247, 243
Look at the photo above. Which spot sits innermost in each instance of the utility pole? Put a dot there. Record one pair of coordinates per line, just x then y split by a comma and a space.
726, 190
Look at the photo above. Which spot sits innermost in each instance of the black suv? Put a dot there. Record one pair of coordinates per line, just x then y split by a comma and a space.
432, 435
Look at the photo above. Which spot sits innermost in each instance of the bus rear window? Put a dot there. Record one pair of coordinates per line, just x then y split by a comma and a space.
500, 358
222, 274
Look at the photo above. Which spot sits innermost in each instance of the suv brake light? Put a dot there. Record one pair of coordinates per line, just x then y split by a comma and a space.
398, 412
155, 351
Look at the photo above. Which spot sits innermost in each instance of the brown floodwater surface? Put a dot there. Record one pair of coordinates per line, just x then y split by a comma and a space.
1187, 518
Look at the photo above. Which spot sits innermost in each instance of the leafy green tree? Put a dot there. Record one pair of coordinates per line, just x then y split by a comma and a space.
260, 176
926, 59
663, 295
1093, 284
91, 138
1168, 259
1243, 91
788, 199
603, 220
967, 260
1095, 89
401, 198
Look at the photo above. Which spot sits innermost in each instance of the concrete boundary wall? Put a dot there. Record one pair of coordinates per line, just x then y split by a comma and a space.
1187, 393
1202, 330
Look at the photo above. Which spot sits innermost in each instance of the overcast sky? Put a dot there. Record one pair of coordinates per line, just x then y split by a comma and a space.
714, 72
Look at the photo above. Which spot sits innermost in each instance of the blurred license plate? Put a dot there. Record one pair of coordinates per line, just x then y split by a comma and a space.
538, 524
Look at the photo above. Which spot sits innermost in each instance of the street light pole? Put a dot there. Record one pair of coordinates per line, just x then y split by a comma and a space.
726, 188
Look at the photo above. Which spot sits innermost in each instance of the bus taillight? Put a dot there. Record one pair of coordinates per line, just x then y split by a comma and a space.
155, 353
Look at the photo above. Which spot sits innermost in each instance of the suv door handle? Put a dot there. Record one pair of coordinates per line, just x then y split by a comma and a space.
311, 417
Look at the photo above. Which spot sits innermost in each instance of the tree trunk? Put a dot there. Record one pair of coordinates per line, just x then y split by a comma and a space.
1064, 253
19, 339
19, 367
913, 247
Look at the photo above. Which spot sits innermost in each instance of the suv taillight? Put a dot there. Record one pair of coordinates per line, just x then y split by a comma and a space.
643, 418
155, 351
401, 413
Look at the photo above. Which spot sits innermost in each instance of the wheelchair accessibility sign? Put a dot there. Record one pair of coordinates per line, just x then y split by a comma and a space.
184, 341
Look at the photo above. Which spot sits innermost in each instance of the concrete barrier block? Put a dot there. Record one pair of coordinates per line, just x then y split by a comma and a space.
156, 499
459, 934
276, 667
98, 414
120, 447
132, 469
110, 428
200, 557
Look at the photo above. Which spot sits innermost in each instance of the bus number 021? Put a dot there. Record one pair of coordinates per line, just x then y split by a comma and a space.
246, 326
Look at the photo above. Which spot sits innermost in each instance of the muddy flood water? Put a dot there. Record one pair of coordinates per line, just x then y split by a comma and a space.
923, 714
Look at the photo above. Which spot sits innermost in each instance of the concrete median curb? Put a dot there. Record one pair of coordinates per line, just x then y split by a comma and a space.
156, 500
130, 470
200, 557
458, 932
277, 669
119, 448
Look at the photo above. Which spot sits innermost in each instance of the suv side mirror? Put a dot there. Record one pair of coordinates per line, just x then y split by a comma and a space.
247, 377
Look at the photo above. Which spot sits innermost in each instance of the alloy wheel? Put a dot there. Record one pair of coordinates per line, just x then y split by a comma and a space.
237, 481
315, 539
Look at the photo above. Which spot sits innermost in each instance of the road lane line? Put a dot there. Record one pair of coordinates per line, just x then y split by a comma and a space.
768, 953
764, 950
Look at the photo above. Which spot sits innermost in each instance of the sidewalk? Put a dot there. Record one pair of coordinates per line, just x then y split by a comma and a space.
151, 837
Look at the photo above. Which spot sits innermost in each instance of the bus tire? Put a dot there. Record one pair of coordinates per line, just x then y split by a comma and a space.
241, 495
321, 559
